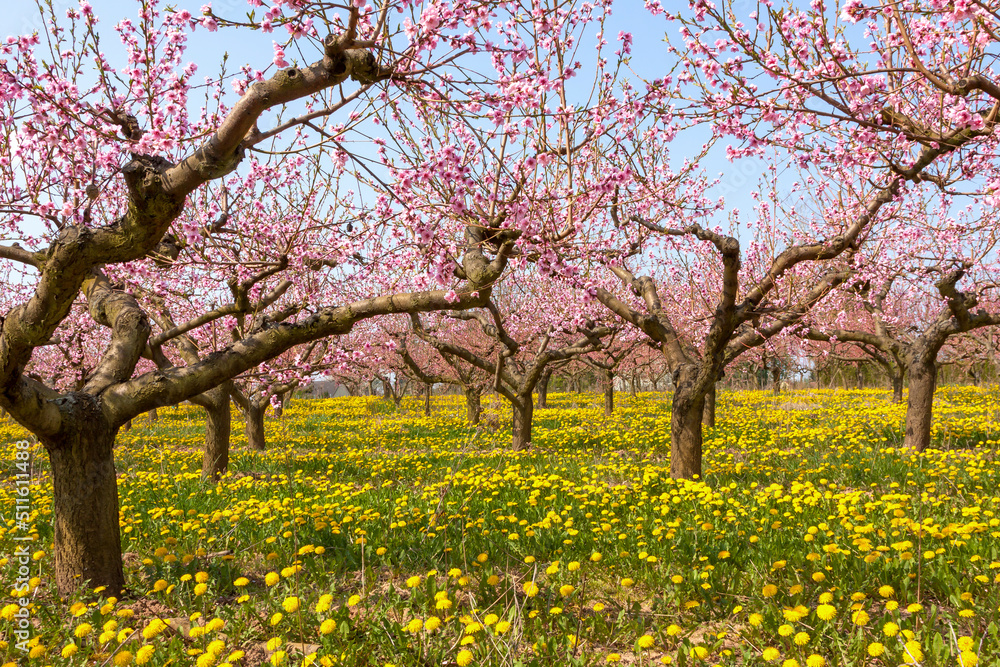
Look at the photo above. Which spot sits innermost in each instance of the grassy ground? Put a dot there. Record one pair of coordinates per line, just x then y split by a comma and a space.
367, 536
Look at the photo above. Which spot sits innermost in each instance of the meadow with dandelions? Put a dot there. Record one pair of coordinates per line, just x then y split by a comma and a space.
368, 535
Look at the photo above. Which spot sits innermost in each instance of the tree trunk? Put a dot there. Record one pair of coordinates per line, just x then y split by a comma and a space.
609, 393
522, 423
218, 424
776, 379
152, 417
896, 377
128, 426
87, 543
685, 425
427, 400
255, 426
473, 406
920, 404
543, 390
708, 411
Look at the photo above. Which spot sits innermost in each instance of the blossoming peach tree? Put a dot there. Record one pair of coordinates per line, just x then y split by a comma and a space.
209, 226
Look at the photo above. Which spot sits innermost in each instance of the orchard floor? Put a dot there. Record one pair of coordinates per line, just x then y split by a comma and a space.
371, 537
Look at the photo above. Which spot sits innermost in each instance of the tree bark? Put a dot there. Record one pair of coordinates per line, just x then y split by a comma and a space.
523, 413
427, 400
255, 426
776, 379
152, 417
87, 541
708, 411
473, 406
127, 426
685, 425
218, 425
609, 393
896, 377
543, 390
920, 403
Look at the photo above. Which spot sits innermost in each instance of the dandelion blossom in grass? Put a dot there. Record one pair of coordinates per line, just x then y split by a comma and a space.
69, 650
769, 591
826, 612
673, 630
573, 566
271, 578
627, 582
206, 660
676, 579
291, 604
483, 557
826, 598
123, 659
815, 660
83, 630
614, 657
699, 652
464, 658
502, 627
914, 650
595, 557
327, 626
274, 643
353, 600
324, 603
413, 581
493, 580
240, 583
875, 649
801, 638
598, 607
968, 659
279, 658
491, 619
860, 617
819, 577
770, 654
890, 629
886, 591
646, 641
555, 611
914, 608
530, 589
443, 604
380, 551
415, 625
785, 630
277, 617
966, 613
201, 577
566, 590
160, 585
965, 643
200, 589
790, 662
